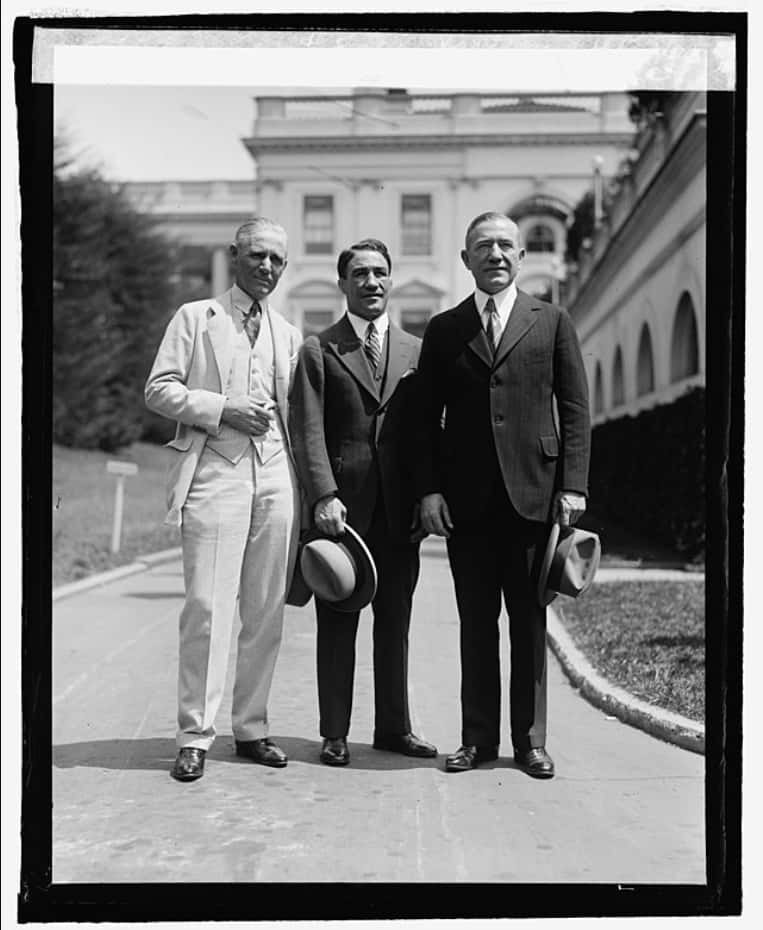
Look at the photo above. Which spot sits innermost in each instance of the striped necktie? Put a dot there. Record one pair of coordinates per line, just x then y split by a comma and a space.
493, 328
252, 320
372, 347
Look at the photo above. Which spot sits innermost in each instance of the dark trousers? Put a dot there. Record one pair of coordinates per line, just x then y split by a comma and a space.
397, 567
500, 554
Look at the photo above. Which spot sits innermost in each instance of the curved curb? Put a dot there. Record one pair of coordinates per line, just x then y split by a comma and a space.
664, 724
607, 573
114, 574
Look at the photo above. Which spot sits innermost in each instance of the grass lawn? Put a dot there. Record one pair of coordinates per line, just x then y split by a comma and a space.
647, 637
83, 510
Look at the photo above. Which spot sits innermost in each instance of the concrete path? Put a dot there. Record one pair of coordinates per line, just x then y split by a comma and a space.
623, 808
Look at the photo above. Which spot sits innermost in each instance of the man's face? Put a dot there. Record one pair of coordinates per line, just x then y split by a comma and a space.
366, 284
259, 261
493, 254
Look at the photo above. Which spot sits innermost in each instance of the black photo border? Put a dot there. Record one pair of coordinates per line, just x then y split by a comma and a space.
39, 899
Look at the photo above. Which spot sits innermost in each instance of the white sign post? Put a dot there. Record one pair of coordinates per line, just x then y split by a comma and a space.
121, 470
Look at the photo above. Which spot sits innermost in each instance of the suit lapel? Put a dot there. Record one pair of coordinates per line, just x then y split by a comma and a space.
345, 344
400, 350
220, 330
521, 319
477, 339
281, 360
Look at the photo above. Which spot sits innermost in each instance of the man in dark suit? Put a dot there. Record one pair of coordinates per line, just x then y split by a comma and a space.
505, 373
348, 415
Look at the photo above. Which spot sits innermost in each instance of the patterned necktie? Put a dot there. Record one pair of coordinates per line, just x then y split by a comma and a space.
372, 347
252, 321
493, 324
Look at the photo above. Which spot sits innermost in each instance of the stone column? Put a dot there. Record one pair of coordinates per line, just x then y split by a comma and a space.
220, 273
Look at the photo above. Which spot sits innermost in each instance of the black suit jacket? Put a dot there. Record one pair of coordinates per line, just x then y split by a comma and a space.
350, 437
502, 408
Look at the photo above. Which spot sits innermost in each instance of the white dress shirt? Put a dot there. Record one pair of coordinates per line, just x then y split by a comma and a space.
360, 325
504, 301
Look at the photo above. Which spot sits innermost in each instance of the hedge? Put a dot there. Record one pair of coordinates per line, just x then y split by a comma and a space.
648, 473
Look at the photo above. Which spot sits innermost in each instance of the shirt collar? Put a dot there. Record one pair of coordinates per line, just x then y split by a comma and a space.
360, 325
243, 301
504, 300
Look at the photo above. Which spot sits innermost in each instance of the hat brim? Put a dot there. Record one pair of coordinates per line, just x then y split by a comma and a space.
365, 585
299, 592
545, 596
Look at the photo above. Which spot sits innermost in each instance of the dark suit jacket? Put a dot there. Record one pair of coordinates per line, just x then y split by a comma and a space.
349, 438
504, 408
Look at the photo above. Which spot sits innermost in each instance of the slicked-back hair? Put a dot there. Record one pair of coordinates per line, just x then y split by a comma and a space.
248, 229
484, 217
365, 245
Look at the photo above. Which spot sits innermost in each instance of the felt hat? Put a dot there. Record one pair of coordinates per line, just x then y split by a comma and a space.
339, 570
569, 563
299, 593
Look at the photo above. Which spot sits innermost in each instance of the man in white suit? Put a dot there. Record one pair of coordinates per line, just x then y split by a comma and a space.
223, 372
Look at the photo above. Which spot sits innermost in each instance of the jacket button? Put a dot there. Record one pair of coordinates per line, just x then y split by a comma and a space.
498, 418
494, 382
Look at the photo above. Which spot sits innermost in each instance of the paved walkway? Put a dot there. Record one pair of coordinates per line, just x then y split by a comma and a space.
624, 807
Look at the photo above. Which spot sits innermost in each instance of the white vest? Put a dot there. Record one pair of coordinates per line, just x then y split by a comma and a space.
252, 372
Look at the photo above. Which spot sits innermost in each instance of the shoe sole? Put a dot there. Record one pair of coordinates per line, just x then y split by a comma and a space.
335, 763
533, 774
468, 768
178, 777
272, 765
411, 755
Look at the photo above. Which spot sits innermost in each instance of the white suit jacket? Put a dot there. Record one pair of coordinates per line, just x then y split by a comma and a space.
188, 378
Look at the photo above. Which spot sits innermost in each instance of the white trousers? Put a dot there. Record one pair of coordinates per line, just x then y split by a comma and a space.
239, 535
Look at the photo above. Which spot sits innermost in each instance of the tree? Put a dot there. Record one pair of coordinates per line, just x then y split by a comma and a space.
112, 293
581, 227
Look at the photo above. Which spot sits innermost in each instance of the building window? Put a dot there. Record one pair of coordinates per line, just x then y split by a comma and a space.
540, 238
315, 321
684, 347
414, 320
618, 380
645, 364
598, 391
416, 221
318, 225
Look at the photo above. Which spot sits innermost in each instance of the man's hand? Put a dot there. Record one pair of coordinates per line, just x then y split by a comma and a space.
435, 516
568, 507
417, 530
246, 415
329, 514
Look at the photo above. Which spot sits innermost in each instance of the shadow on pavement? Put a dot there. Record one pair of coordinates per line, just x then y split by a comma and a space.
158, 753
362, 755
146, 754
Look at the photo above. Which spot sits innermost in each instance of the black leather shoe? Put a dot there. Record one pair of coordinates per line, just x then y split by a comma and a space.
536, 762
408, 744
469, 757
263, 751
335, 751
189, 764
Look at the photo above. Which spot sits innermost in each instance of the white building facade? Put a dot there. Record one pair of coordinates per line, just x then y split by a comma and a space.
412, 170
638, 297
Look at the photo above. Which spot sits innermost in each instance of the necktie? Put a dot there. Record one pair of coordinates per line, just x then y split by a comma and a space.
252, 321
372, 347
493, 324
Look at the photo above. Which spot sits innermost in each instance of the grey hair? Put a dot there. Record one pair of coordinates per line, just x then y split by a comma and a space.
248, 229
484, 217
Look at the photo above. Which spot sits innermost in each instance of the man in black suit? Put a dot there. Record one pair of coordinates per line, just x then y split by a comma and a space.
348, 415
505, 372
